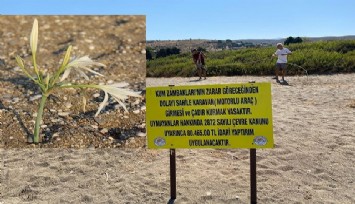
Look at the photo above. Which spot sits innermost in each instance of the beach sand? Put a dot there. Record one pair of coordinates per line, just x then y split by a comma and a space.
312, 162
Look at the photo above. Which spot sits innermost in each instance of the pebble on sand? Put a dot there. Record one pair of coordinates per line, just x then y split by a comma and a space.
141, 134
63, 114
104, 131
35, 97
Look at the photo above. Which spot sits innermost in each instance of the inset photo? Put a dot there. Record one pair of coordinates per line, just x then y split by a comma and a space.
72, 81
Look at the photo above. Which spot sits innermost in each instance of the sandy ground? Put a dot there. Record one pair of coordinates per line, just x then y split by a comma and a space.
312, 162
116, 41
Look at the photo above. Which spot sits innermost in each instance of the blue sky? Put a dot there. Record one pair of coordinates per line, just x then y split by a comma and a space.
207, 19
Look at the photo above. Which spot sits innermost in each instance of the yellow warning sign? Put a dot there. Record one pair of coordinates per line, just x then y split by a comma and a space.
210, 116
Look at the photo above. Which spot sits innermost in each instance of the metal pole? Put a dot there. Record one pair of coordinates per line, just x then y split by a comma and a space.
253, 197
172, 174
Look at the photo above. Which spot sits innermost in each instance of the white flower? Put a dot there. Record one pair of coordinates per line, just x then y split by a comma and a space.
80, 65
34, 37
118, 92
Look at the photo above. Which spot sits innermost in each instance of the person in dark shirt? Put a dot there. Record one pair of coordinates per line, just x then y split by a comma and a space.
199, 60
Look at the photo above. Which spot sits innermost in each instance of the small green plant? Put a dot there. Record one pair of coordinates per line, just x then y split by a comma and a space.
48, 83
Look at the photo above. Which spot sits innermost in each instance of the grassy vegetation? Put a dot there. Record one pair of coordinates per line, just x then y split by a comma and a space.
322, 57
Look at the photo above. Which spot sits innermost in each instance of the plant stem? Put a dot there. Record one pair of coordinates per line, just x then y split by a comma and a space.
35, 138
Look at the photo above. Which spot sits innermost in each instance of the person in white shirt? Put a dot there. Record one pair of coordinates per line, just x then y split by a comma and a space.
281, 63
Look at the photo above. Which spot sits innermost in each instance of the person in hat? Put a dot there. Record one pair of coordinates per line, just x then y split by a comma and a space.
281, 63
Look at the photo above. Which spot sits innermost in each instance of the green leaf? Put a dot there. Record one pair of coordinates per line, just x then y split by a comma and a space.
19, 61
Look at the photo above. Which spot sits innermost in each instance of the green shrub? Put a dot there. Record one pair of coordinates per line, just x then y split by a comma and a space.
321, 57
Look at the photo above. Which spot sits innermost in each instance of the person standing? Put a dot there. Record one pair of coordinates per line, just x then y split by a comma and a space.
281, 63
199, 60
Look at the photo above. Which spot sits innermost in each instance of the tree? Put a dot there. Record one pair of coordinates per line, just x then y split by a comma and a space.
298, 40
229, 43
220, 44
164, 52
175, 51
161, 53
290, 40
201, 49
149, 53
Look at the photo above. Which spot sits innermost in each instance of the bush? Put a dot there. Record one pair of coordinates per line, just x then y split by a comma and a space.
322, 57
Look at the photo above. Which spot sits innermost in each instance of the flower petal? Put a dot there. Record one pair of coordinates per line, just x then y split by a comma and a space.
120, 92
82, 74
120, 84
83, 63
102, 104
65, 74
34, 37
92, 71
121, 103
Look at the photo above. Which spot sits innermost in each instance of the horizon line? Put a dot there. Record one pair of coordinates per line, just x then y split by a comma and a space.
278, 38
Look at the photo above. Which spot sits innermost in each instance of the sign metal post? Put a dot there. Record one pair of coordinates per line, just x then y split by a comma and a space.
172, 174
253, 190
